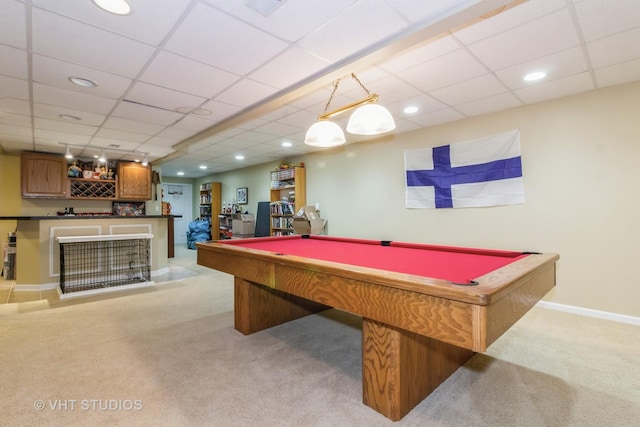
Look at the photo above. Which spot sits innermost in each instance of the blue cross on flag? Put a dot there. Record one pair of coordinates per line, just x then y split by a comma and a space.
480, 172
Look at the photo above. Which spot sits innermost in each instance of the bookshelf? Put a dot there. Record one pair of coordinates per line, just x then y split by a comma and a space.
288, 196
210, 205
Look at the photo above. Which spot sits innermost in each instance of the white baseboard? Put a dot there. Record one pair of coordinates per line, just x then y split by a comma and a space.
35, 288
55, 285
103, 290
159, 272
622, 318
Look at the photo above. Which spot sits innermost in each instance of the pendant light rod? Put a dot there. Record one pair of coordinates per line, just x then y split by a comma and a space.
371, 98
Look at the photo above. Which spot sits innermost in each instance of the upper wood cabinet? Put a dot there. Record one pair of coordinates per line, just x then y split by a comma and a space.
134, 181
43, 175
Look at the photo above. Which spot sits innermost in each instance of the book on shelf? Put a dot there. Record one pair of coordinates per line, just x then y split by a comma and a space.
281, 208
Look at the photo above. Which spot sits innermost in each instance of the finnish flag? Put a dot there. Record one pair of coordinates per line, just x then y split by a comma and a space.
476, 173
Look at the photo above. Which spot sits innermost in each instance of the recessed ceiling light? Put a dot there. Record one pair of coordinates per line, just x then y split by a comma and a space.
239, 157
411, 109
194, 111
264, 7
79, 81
203, 167
287, 144
118, 7
69, 117
536, 75
201, 112
179, 173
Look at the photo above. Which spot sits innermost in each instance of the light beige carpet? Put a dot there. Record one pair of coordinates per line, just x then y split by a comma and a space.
169, 356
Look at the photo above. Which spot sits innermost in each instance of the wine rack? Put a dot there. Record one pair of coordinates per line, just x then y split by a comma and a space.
103, 189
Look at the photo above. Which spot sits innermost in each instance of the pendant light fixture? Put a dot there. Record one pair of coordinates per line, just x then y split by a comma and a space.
102, 158
369, 119
67, 152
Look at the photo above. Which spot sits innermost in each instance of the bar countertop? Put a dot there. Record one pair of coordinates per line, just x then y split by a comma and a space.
81, 216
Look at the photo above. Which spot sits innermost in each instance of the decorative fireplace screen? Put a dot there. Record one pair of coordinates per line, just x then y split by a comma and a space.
94, 262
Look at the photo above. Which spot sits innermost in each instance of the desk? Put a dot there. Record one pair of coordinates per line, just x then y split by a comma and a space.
426, 309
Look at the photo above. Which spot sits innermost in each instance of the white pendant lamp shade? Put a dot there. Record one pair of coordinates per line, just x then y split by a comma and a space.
370, 119
324, 133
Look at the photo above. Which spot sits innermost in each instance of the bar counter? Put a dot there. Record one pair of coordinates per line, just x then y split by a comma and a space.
38, 256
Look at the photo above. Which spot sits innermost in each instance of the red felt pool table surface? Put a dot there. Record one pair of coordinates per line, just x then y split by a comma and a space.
455, 264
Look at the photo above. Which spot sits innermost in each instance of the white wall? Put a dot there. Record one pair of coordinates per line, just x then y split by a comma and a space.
582, 200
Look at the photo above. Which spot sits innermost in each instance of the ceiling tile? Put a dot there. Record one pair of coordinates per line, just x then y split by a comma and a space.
558, 65
235, 143
56, 36
193, 123
615, 49
160, 141
541, 37
618, 74
244, 51
549, 90
78, 101
251, 136
143, 113
186, 75
175, 134
15, 119
433, 10
435, 117
64, 137
603, 18
56, 73
64, 126
147, 23
219, 110
300, 118
14, 62
127, 125
362, 25
424, 103
490, 104
290, 21
16, 106
11, 87
117, 145
511, 18
443, 71
470, 90
276, 129
272, 75
426, 52
16, 143
391, 89
15, 130
403, 125
120, 135
145, 93
245, 93
13, 24
54, 112
154, 149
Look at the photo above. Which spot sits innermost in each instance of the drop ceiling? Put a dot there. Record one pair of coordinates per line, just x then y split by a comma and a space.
196, 83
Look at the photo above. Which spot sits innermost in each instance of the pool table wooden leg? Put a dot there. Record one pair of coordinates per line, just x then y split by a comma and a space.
400, 368
258, 307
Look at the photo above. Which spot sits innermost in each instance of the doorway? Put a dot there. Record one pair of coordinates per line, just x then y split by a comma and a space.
180, 197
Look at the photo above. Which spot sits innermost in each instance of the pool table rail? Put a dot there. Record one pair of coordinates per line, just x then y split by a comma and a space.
468, 317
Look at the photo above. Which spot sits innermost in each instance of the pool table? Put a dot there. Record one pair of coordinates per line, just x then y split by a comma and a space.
426, 309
